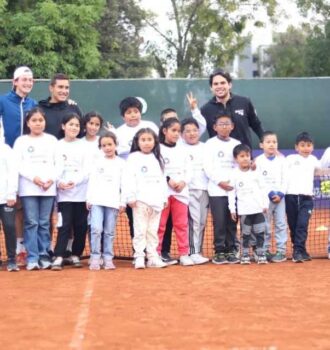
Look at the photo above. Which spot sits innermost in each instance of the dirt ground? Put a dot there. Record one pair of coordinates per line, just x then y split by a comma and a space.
271, 307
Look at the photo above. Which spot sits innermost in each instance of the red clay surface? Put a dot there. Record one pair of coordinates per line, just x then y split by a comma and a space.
272, 307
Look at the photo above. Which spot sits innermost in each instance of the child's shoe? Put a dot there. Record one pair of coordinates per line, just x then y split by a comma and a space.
306, 256
75, 261
12, 266
297, 257
262, 259
139, 263
108, 264
219, 259
21, 259
94, 264
245, 259
278, 257
156, 262
45, 264
269, 256
32, 266
232, 258
185, 260
166, 257
57, 264
199, 259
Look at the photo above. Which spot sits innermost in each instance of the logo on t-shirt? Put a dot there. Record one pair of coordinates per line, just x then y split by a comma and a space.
166, 160
239, 111
31, 149
265, 173
64, 157
297, 163
144, 169
240, 184
191, 157
101, 170
221, 154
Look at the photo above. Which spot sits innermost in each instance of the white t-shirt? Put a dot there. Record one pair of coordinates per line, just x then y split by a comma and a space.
8, 174
325, 160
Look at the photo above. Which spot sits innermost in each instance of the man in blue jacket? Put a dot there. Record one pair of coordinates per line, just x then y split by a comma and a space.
15, 104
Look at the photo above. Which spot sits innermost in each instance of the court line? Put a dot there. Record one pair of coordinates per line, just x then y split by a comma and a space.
78, 336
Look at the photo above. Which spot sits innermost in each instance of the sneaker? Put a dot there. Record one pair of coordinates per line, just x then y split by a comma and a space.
220, 259
166, 257
108, 264
185, 260
245, 259
45, 264
297, 257
306, 256
156, 262
139, 263
94, 264
32, 266
198, 259
232, 258
278, 257
21, 259
57, 264
12, 266
76, 261
262, 259
269, 256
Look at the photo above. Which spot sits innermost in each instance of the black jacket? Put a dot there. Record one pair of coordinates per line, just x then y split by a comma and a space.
54, 114
242, 112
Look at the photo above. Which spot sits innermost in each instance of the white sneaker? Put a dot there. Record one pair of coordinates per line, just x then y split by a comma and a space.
139, 263
185, 260
32, 266
156, 262
108, 264
94, 264
198, 259
57, 264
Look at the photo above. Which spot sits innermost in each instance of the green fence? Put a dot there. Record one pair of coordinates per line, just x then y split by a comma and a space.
286, 106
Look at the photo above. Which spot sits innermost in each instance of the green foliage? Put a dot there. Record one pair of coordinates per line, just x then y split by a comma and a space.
50, 36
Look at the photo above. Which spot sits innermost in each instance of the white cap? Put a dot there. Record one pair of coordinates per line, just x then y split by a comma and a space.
24, 70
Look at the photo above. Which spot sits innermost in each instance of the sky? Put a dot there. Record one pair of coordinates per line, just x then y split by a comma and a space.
261, 36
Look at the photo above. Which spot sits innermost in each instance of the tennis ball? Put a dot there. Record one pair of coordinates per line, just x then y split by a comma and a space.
325, 187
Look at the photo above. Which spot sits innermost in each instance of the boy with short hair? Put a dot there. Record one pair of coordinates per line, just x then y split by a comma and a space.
271, 166
218, 165
198, 197
250, 198
300, 169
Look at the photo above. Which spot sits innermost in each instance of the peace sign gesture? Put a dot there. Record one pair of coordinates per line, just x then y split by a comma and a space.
192, 101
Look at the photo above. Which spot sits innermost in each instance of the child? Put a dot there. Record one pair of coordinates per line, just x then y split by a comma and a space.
71, 164
325, 163
219, 164
178, 174
252, 203
35, 153
146, 193
300, 170
271, 166
92, 123
104, 201
8, 193
198, 197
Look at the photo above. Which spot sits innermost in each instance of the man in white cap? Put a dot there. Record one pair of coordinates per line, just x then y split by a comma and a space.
15, 104
13, 107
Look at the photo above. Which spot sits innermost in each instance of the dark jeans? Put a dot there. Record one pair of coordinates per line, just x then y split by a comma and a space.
224, 227
298, 210
74, 216
129, 213
167, 240
7, 216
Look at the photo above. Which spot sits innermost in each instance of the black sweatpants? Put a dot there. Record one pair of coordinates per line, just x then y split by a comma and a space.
7, 217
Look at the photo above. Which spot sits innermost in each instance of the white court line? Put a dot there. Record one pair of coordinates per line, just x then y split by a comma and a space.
82, 320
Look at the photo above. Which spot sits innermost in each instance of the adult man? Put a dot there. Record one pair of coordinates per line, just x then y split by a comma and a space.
57, 105
238, 107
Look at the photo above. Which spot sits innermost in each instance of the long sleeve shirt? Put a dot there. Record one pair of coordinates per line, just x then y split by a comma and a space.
8, 174
145, 181
325, 160
219, 163
36, 158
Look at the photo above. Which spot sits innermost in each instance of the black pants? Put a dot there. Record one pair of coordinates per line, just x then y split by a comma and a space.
7, 216
129, 213
224, 227
74, 216
167, 239
298, 210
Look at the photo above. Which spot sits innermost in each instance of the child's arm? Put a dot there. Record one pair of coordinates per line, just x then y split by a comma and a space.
232, 204
196, 113
12, 187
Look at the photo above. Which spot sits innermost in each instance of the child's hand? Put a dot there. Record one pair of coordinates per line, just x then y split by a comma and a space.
88, 206
276, 199
233, 216
132, 204
179, 186
172, 184
11, 202
108, 126
192, 101
225, 185
47, 184
65, 186
37, 181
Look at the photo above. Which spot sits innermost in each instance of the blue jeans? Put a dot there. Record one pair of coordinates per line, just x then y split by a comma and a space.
36, 211
103, 219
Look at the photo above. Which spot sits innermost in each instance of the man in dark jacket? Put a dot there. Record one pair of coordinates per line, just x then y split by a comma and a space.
58, 104
238, 107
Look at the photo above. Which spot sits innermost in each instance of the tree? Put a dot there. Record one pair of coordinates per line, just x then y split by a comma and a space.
50, 36
120, 40
205, 33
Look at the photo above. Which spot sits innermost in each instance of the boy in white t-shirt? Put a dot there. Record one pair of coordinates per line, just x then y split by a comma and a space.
325, 163
300, 169
271, 166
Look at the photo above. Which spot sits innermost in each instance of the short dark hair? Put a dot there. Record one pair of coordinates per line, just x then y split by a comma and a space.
223, 116
188, 121
58, 76
129, 102
240, 149
93, 114
304, 137
166, 125
109, 134
221, 72
267, 133
66, 118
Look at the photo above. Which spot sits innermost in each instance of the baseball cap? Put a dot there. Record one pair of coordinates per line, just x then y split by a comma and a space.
24, 70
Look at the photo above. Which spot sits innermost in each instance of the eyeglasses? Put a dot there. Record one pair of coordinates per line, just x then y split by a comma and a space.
224, 125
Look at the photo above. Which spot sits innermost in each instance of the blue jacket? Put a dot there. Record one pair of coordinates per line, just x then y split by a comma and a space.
13, 109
